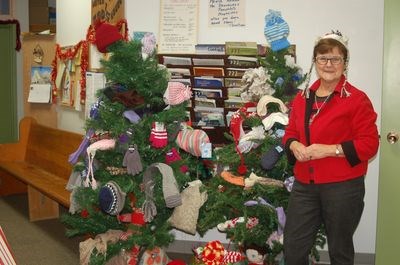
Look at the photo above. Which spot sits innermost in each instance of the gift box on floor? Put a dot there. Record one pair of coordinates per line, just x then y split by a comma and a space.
6, 256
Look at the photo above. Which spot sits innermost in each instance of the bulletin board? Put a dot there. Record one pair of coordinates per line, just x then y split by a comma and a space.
44, 113
110, 11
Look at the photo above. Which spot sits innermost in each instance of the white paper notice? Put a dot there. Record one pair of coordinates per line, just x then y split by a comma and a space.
178, 26
226, 13
94, 82
39, 93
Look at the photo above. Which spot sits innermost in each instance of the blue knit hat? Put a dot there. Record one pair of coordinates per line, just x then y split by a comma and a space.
111, 198
276, 31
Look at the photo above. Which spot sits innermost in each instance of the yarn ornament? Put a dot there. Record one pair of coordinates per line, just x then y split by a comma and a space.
276, 31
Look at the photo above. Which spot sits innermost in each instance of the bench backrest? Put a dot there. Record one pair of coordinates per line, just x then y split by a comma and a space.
50, 148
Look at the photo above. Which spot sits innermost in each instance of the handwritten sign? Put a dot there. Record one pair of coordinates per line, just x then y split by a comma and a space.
178, 26
226, 13
110, 11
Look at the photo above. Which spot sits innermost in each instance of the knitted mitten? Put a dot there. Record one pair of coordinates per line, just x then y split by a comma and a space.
158, 135
185, 216
132, 161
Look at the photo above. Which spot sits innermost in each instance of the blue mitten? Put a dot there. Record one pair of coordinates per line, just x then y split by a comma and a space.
276, 31
270, 158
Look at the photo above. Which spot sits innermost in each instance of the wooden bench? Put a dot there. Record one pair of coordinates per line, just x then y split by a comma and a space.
38, 164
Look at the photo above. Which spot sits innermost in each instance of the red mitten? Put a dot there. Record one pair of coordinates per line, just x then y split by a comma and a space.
158, 135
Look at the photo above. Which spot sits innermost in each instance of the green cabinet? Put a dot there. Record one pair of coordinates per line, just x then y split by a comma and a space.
8, 84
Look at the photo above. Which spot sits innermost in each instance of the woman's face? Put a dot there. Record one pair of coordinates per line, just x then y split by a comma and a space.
330, 66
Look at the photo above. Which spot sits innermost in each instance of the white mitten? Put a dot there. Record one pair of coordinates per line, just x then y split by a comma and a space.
185, 216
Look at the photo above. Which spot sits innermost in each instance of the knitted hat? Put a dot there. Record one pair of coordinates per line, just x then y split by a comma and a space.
336, 35
236, 129
276, 117
106, 34
262, 105
192, 140
176, 93
276, 31
269, 159
111, 198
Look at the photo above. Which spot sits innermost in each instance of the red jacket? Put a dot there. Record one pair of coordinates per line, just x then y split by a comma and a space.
349, 121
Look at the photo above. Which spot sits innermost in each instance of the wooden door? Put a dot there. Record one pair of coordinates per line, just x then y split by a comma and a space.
388, 229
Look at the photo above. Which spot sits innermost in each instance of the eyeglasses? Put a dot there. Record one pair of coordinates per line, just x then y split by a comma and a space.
322, 60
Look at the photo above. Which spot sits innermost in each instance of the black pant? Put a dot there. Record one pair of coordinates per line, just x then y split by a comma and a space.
338, 206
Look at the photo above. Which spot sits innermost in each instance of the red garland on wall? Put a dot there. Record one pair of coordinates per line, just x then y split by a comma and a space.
18, 29
71, 53
68, 55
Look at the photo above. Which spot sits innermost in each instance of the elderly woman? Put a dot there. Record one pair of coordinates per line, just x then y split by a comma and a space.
330, 138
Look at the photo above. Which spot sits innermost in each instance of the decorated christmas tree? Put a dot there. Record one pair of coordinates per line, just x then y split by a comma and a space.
248, 196
136, 158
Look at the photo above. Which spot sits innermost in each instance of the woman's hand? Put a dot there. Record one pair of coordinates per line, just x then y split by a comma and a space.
318, 151
299, 151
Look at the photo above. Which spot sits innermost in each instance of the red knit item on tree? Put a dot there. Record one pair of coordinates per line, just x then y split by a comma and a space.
173, 156
106, 34
236, 129
158, 135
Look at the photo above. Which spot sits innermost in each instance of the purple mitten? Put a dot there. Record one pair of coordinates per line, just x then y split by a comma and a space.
131, 116
132, 161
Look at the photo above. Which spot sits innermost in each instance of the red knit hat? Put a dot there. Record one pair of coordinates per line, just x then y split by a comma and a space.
106, 34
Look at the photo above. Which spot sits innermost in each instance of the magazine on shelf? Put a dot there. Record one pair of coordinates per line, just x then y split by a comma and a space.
179, 72
175, 60
235, 72
234, 92
208, 61
185, 81
204, 102
215, 49
242, 61
209, 117
234, 102
208, 82
208, 71
207, 92
241, 48
233, 82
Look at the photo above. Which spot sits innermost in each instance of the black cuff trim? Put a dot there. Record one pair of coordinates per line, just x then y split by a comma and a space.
290, 156
350, 153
